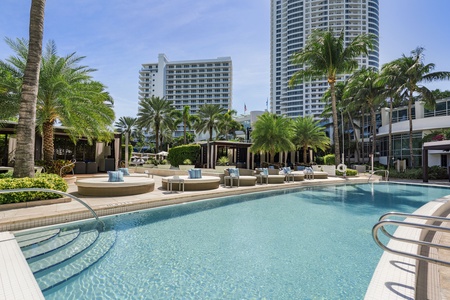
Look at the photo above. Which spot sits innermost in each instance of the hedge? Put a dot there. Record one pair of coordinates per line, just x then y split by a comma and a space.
349, 172
178, 154
45, 181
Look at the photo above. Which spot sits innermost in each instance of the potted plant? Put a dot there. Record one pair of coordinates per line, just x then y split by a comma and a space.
186, 165
164, 164
223, 163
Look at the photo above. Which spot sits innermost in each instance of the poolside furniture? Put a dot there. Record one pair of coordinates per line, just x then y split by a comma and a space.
101, 187
193, 184
244, 177
275, 176
175, 179
262, 175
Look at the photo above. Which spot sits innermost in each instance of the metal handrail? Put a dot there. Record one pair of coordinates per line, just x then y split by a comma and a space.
53, 192
72, 162
386, 174
383, 221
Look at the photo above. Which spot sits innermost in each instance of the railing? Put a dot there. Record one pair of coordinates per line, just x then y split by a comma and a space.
386, 174
72, 163
53, 192
380, 226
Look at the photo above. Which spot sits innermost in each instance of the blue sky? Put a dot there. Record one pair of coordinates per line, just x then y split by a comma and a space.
117, 36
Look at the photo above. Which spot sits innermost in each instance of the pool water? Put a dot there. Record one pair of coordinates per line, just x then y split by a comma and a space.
305, 243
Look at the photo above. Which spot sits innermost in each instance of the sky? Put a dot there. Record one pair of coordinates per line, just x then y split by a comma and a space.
118, 36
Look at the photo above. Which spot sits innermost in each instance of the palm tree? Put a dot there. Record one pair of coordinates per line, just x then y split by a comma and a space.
155, 113
24, 160
126, 125
272, 134
364, 87
188, 120
413, 71
10, 90
308, 133
228, 125
209, 115
327, 55
68, 95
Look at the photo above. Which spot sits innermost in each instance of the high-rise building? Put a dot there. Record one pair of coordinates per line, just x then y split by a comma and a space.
190, 83
291, 23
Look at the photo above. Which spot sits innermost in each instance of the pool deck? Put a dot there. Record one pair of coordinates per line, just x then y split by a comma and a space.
17, 281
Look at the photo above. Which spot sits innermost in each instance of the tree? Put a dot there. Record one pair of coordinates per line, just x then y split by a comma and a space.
209, 116
67, 95
413, 72
188, 120
272, 134
126, 125
24, 160
327, 55
155, 113
10, 91
308, 134
364, 87
228, 125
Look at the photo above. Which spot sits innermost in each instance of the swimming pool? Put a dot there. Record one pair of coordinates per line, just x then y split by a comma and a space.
304, 243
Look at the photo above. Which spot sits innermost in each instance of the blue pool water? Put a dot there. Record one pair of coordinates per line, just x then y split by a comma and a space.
306, 243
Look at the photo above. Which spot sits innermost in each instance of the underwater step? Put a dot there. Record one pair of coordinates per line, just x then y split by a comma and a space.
77, 264
81, 243
29, 239
63, 238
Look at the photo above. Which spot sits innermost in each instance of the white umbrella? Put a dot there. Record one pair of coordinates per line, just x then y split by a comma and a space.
163, 153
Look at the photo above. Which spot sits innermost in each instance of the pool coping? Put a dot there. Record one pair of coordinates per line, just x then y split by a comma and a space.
395, 276
17, 263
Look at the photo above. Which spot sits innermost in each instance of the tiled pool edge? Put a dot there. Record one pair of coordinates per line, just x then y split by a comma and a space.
395, 275
16, 279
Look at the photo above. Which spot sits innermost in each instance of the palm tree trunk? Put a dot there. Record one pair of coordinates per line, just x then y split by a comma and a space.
356, 136
126, 148
411, 155
49, 148
305, 154
390, 137
335, 122
157, 138
24, 159
363, 124
373, 123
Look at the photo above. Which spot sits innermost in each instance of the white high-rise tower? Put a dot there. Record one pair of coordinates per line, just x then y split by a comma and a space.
291, 23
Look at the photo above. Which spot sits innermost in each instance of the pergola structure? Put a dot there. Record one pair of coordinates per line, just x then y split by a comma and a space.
240, 153
440, 145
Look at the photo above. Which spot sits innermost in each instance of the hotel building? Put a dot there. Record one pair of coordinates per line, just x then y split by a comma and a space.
291, 23
190, 83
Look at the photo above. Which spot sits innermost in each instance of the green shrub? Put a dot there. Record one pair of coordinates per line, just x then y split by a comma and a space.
329, 160
319, 160
54, 166
223, 161
45, 181
6, 175
180, 153
350, 172
434, 173
187, 161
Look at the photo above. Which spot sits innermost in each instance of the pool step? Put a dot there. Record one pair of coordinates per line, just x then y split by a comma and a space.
81, 243
42, 247
35, 238
74, 265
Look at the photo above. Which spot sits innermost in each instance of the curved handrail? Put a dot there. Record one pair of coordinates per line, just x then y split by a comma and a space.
383, 221
72, 162
53, 192
386, 174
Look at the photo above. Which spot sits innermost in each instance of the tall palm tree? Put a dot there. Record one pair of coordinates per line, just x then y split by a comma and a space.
10, 91
208, 119
308, 133
391, 78
364, 87
155, 113
67, 95
188, 121
228, 125
326, 54
24, 160
272, 134
414, 72
209, 116
126, 125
